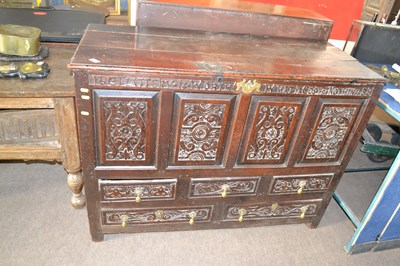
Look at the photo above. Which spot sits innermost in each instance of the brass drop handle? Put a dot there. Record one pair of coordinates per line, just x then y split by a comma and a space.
303, 211
159, 214
224, 188
242, 213
124, 220
302, 185
192, 215
138, 193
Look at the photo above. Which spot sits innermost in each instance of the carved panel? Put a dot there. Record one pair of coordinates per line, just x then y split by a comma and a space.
129, 190
148, 216
292, 184
126, 127
28, 126
331, 131
125, 130
212, 187
200, 132
270, 127
200, 128
269, 211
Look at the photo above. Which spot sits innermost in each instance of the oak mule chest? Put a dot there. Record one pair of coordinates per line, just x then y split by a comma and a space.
184, 130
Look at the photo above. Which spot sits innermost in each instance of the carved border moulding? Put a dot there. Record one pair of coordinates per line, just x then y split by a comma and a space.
270, 211
204, 187
291, 184
153, 216
200, 131
267, 86
125, 130
332, 129
112, 191
272, 125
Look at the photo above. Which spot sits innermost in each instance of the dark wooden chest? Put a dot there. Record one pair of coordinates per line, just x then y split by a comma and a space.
185, 130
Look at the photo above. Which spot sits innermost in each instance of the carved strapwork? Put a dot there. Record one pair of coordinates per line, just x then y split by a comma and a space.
330, 132
307, 183
126, 127
129, 190
147, 216
272, 126
255, 212
200, 129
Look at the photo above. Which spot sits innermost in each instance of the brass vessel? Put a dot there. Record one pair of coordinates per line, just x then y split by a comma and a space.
19, 40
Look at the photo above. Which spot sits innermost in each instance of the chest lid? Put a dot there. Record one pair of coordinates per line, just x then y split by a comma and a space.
187, 52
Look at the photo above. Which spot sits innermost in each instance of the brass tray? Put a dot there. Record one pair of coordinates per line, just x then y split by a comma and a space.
19, 40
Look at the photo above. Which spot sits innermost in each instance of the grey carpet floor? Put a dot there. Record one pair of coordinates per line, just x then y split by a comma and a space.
39, 227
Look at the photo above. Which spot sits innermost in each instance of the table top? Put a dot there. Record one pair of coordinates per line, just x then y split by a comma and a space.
106, 47
59, 82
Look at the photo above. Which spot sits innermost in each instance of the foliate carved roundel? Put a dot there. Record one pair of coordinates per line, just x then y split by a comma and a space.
331, 131
273, 123
200, 131
125, 125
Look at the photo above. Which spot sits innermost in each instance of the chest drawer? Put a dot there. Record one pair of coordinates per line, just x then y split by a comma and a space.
292, 209
162, 215
300, 184
223, 187
137, 190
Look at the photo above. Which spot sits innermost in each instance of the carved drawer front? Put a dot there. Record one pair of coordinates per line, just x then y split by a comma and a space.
118, 190
333, 125
223, 187
126, 127
297, 209
154, 216
300, 184
200, 128
269, 129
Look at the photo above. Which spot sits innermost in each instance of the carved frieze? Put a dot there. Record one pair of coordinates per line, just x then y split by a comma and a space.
226, 86
331, 131
28, 126
145, 216
216, 188
293, 184
270, 132
125, 130
130, 191
267, 211
200, 131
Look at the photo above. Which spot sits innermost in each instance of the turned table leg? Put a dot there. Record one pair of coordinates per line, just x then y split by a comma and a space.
68, 136
75, 183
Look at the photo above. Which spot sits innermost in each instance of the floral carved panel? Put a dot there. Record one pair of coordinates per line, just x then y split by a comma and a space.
270, 128
331, 131
270, 133
200, 128
125, 125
